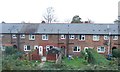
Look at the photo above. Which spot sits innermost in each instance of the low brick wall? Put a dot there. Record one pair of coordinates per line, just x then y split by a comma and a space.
35, 55
51, 57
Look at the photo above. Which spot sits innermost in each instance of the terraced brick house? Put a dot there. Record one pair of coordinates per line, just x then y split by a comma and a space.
71, 38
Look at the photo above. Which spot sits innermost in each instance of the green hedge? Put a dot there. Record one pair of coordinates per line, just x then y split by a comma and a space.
95, 58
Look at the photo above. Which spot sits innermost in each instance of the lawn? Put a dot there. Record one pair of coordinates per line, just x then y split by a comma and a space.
75, 63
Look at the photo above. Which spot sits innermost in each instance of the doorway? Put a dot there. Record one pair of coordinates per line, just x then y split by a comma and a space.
63, 49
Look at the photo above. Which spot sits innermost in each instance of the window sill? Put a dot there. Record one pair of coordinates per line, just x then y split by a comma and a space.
76, 51
62, 38
81, 40
14, 38
27, 50
115, 39
100, 52
71, 39
31, 39
106, 40
45, 39
95, 40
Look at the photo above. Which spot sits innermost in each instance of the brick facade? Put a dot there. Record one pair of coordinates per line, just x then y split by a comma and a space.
56, 41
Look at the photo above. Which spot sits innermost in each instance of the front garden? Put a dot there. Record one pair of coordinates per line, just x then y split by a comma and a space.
86, 61
11, 60
92, 61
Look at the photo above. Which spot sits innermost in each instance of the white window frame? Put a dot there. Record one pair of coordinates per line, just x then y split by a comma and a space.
2, 48
80, 37
106, 37
31, 38
71, 36
1, 35
78, 49
14, 36
115, 37
100, 49
91, 47
85, 49
36, 47
45, 37
96, 37
48, 47
25, 48
63, 36
22, 36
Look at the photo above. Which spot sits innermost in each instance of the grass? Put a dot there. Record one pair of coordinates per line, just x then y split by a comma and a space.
75, 63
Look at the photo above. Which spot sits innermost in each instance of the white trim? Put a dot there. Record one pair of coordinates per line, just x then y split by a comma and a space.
80, 37
14, 36
25, 48
41, 50
71, 36
48, 47
100, 49
78, 49
95, 37
115, 37
45, 37
85, 49
63, 36
31, 37
2, 48
106, 37
22, 36
36, 46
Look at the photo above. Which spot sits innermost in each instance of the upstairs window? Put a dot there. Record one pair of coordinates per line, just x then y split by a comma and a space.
27, 48
22, 36
14, 36
95, 37
76, 49
81, 37
31, 37
115, 37
71, 36
44, 37
63, 36
106, 37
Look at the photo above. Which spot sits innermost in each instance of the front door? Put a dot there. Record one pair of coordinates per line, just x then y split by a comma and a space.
41, 50
63, 50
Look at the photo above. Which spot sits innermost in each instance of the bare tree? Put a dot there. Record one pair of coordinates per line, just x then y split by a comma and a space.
49, 16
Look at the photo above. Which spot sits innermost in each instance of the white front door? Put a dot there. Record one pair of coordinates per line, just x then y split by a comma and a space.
41, 50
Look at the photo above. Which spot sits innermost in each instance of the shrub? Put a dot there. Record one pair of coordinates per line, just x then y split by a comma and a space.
116, 53
9, 50
96, 58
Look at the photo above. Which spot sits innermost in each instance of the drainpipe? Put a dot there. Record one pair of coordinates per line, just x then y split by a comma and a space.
18, 39
58, 38
67, 42
109, 41
10, 36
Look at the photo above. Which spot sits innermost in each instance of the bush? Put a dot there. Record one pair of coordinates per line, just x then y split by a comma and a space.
9, 50
96, 58
116, 53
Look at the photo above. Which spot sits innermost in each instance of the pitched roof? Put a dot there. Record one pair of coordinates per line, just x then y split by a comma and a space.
60, 28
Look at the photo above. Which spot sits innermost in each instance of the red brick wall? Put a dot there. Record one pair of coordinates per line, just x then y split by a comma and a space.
35, 55
53, 40
51, 57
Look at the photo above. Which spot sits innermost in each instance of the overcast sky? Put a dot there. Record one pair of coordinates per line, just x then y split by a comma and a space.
99, 11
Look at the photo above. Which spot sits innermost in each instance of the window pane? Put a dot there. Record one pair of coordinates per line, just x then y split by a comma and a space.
75, 48
102, 48
28, 47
